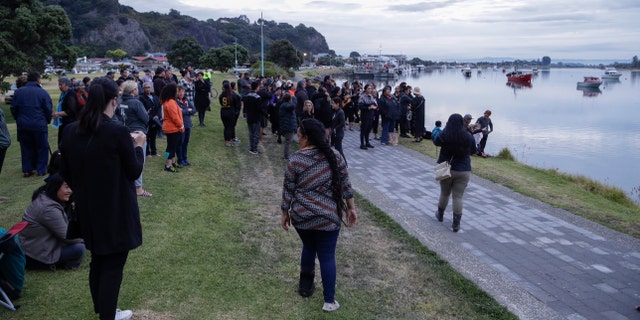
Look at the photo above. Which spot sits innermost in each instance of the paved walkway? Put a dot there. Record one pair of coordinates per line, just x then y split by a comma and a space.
540, 262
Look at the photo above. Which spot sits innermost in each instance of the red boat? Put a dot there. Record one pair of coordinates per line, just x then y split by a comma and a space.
519, 76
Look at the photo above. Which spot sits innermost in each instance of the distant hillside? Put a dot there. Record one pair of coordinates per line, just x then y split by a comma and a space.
101, 25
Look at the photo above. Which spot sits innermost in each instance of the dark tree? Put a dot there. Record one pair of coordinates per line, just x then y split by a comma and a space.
30, 33
186, 51
283, 53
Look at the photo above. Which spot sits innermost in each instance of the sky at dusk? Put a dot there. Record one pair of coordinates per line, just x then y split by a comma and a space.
445, 30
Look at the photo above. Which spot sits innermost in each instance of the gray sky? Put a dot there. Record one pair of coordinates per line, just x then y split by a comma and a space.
448, 29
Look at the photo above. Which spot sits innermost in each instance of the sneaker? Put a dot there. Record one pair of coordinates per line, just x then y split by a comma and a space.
235, 140
176, 165
123, 314
170, 169
253, 152
329, 307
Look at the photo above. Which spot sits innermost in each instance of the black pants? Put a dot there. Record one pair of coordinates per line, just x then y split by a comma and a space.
3, 152
105, 277
365, 130
152, 134
228, 117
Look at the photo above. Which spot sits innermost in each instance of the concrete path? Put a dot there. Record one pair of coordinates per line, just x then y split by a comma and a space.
540, 262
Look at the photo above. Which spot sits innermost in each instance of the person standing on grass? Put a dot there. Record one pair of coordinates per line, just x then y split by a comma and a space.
253, 109
5, 142
288, 122
100, 163
229, 103
136, 119
154, 110
172, 126
188, 110
31, 107
201, 99
486, 127
315, 195
457, 145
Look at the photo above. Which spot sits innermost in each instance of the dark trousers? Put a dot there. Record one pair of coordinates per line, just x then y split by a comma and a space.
34, 149
152, 134
254, 135
365, 130
483, 142
184, 145
105, 277
201, 110
173, 143
336, 143
228, 117
3, 153
323, 245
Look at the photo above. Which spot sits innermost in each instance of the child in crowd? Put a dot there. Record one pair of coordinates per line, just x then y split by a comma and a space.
436, 130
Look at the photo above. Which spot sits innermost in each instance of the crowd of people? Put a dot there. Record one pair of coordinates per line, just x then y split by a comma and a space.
107, 127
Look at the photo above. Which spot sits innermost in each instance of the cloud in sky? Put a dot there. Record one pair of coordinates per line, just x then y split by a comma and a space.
446, 29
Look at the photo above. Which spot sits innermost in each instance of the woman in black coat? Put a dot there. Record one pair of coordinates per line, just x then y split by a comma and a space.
201, 99
418, 115
101, 162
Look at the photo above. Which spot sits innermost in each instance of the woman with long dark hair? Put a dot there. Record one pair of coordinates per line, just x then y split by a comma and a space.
457, 144
172, 126
44, 240
316, 193
229, 103
101, 162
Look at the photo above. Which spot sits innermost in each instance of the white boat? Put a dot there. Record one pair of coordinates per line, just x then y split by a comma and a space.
611, 73
590, 82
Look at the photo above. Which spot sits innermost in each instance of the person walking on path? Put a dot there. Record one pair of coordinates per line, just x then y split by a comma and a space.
457, 145
288, 123
101, 162
31, 107
316, 191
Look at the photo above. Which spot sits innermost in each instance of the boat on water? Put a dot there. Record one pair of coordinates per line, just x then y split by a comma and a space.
519, 76
611, 74
590, 82
466, 71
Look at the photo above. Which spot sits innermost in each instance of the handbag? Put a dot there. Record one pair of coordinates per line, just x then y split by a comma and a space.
443, 170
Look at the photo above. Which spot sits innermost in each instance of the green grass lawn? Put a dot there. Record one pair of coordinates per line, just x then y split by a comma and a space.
213, 249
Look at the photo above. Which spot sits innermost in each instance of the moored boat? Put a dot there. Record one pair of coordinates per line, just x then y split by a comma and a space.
519, 76
590, 82
611, 73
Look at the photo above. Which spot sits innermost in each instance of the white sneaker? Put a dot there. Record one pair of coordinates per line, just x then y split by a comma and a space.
123, 314
328, 307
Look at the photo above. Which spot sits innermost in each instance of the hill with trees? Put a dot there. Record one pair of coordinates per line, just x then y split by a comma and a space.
101, 25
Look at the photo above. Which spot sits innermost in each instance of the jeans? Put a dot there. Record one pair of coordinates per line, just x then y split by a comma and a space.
183, 146
388, 126
144, 151
323, 245
254, 135
70, 255
453, 186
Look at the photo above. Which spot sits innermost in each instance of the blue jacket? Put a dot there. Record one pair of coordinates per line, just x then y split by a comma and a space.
32, 108
288, 121
186, 114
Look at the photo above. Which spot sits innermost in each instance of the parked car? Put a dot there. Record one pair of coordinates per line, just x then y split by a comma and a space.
8, 97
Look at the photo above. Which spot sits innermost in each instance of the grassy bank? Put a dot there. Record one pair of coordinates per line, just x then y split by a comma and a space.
213, 249
577, 194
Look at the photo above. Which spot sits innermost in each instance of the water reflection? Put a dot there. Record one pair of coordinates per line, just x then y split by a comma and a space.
589, 92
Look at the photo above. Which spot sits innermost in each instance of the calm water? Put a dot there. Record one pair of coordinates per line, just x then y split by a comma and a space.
551, 124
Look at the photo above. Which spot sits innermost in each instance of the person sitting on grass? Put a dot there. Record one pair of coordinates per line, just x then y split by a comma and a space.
44, 240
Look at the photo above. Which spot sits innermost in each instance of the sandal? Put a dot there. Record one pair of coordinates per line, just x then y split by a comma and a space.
145, 193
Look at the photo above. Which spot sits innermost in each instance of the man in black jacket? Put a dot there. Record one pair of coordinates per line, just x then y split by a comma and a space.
154, 109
